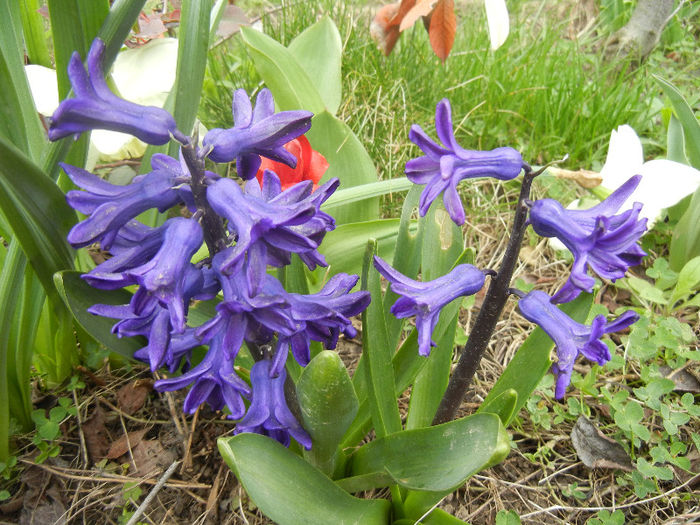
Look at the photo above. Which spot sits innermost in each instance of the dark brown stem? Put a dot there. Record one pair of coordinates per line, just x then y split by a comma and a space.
212, 224
489, 314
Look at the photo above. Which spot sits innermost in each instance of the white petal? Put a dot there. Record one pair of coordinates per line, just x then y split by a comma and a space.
145, 75
497, 18
114, 146
44, 88
625, 157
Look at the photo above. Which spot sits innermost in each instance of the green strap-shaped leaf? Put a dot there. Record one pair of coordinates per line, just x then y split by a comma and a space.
531, 361
323, 67
34, 34
288, 81
38, 214
691, 126
366, 191
19, 123
290, 491
434, 459
328, 405
685, 241
191, 63
376, 357
348, 161
79, 296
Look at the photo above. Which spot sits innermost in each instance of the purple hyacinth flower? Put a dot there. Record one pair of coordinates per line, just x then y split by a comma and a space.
268, 413
425, 300
442, 167
96, 107
112, 206
596, 237
267, 231
214, 381
164, 275
256, 132
570, 337
322, 316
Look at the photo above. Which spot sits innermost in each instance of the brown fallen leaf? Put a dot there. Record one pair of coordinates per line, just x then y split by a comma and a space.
443, 27
96, 438
150, 455
132, 396
121, 446
596, 450
231, 21
584, 178
43, 501
683, 380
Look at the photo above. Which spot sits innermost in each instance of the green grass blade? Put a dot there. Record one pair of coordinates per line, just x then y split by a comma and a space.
34, 34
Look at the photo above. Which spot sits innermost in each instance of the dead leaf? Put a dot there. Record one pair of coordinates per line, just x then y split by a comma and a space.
96, 438
383, 32
231, 21
443, 27
121, 446
149, 456
584, 178
683, 381
43, 501
132, 396
150, 27
422, 8
597, 450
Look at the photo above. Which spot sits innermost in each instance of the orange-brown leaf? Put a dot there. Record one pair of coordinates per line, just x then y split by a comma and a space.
443, 27
383, 30
405, 7
422, 8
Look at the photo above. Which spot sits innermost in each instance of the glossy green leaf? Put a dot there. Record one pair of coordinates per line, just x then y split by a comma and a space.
344, 247
323, 68
191, 64
531, 361
376, 353
691, 126
685, 241
288, 81
79, 296
503, 405
38, 214
434, 459
348, 161
34, 34
265, 469
19, 123
56, 351
328, 405
367, 191
675, 141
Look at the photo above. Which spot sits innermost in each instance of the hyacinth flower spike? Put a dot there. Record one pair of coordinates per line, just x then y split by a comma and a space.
256, 132
596, 237
96, 107
443, 166
570, 337
268, 413
425, 300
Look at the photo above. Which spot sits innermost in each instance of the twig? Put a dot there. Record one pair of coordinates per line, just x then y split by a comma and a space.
83, 446
132, 418
611, 508
187, 460
151, 495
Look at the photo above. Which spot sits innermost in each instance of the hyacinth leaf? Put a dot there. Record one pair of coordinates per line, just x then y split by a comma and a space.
37, 212
449, 454
79, 296
366, 191
691, 126
19, 123
324, 67
442, 244
34, 37
436, 517
503, 405
685, 241
407, 258
349, 162
688, 281
376, 354
675, 140
191, 64
531, 361
282, 73
328, 405
343, 247
264, 468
